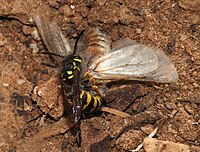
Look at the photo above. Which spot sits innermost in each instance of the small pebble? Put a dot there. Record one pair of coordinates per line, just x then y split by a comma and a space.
193, 5
39, 93
66, 10
189, 109
170, 105
31, 20
3, 40
152, 145
147, 129
183, 37
101, 2
5, 84
72, 6
173, 113
138, 31
20, 81
35, 35
26, 30
34, 47
35, 90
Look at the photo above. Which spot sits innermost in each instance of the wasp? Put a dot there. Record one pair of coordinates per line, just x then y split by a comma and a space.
93, 60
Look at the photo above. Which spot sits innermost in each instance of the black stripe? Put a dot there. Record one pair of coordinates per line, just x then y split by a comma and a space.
90, 105
84, 98
98, 39
98, 104
97, 45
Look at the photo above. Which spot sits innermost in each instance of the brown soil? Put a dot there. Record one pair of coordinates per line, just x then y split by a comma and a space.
29, 123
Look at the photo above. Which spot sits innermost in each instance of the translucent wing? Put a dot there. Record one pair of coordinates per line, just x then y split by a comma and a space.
134, 61
52, 36
125, 42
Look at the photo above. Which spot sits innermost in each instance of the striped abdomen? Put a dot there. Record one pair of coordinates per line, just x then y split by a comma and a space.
97, 42
90, 103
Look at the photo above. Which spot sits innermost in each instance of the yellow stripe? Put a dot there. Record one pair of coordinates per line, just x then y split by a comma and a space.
78, 60
86, 74
74, 63
88, 100
69, 72
95, 103
99, 100
70, 77
82, 93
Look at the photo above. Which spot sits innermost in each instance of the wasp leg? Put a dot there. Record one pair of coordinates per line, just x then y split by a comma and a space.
89, 77
78, 133
92, 88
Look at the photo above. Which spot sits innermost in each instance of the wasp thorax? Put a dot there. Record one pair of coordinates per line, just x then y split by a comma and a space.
70, 64
71, 61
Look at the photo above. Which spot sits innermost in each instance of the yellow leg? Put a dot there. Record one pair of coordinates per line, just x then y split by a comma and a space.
90, 78
96, 89
93, 82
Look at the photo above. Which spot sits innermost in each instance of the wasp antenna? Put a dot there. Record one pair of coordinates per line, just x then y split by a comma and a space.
78, 38
54, 54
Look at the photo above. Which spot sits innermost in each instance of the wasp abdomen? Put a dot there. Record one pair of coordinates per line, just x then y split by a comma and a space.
90, 103
97, 42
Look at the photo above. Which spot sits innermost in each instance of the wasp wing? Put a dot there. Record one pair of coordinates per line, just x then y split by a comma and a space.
125, 42
52, 36
134, 61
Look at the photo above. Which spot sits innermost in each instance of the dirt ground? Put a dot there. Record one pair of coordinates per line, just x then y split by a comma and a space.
30, 124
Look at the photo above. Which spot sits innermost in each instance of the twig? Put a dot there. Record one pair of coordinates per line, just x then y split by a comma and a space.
115, 112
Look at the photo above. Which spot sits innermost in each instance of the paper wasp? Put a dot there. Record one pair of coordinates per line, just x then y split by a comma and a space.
95, 60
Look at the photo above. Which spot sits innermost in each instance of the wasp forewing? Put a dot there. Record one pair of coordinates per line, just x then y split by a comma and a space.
56, 43
134, 61
52, 36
